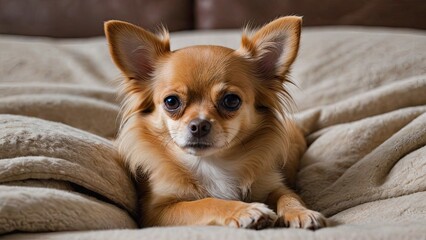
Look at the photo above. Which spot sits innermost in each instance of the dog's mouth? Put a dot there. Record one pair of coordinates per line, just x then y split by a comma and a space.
198, 145
199, 148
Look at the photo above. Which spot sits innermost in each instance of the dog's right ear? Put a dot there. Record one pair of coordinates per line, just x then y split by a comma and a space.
135, 50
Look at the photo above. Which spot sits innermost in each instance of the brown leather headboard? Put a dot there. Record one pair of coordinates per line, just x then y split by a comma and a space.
84, 18
389, 13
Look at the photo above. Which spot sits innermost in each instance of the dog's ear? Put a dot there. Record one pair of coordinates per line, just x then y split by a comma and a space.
135, 50
273, 47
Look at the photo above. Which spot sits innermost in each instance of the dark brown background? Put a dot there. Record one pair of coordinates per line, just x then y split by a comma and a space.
84, 18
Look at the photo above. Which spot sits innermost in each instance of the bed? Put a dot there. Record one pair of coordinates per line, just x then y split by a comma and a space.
361, 102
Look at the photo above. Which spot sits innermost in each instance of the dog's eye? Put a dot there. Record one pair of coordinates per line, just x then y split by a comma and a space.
231, 102
172, 103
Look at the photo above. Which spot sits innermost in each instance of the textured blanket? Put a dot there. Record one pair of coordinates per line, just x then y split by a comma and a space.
361, 100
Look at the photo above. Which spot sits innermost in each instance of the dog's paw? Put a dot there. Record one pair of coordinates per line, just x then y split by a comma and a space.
302, 218
253, 216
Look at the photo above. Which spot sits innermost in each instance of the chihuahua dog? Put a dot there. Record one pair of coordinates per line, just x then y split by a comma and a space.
209, 128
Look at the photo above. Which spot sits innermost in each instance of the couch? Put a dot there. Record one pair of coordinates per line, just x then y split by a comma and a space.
360, 94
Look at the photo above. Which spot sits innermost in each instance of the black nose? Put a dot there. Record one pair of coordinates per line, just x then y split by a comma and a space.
199, 127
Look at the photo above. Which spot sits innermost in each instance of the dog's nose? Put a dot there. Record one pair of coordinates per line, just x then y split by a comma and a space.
199, 127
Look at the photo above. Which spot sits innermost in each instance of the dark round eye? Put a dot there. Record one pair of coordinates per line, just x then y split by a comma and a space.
231, 102
172, 103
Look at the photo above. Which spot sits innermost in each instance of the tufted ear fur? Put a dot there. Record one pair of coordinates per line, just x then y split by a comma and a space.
274, 46
135, 50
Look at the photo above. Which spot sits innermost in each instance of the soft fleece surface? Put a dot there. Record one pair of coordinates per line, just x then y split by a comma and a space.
361, 101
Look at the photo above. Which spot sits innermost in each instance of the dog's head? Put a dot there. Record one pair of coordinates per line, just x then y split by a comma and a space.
204, 99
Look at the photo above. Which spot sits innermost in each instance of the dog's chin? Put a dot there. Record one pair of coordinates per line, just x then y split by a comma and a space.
199, 149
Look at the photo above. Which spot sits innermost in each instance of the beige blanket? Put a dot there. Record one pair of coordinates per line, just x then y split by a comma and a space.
361, 101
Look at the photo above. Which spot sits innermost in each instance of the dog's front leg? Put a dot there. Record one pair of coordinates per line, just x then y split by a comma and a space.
212, 211
292, 212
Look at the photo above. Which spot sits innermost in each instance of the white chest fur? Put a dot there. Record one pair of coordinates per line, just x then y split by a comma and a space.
220, 180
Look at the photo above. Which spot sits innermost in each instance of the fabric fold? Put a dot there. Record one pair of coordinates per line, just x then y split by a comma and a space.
35, 149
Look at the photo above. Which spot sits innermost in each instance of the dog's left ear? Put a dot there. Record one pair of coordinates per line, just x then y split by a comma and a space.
273, 47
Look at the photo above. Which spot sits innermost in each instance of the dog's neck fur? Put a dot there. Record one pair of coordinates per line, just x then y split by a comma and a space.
219, 178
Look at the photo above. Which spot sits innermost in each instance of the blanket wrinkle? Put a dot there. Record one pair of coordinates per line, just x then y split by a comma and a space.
41, 183
375, 136
391, 60
100, 93
372, 169
56, 210
414, 134
339, 57
403, 211
66, 109
34, 167
48, 151
85, 62
387, 98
